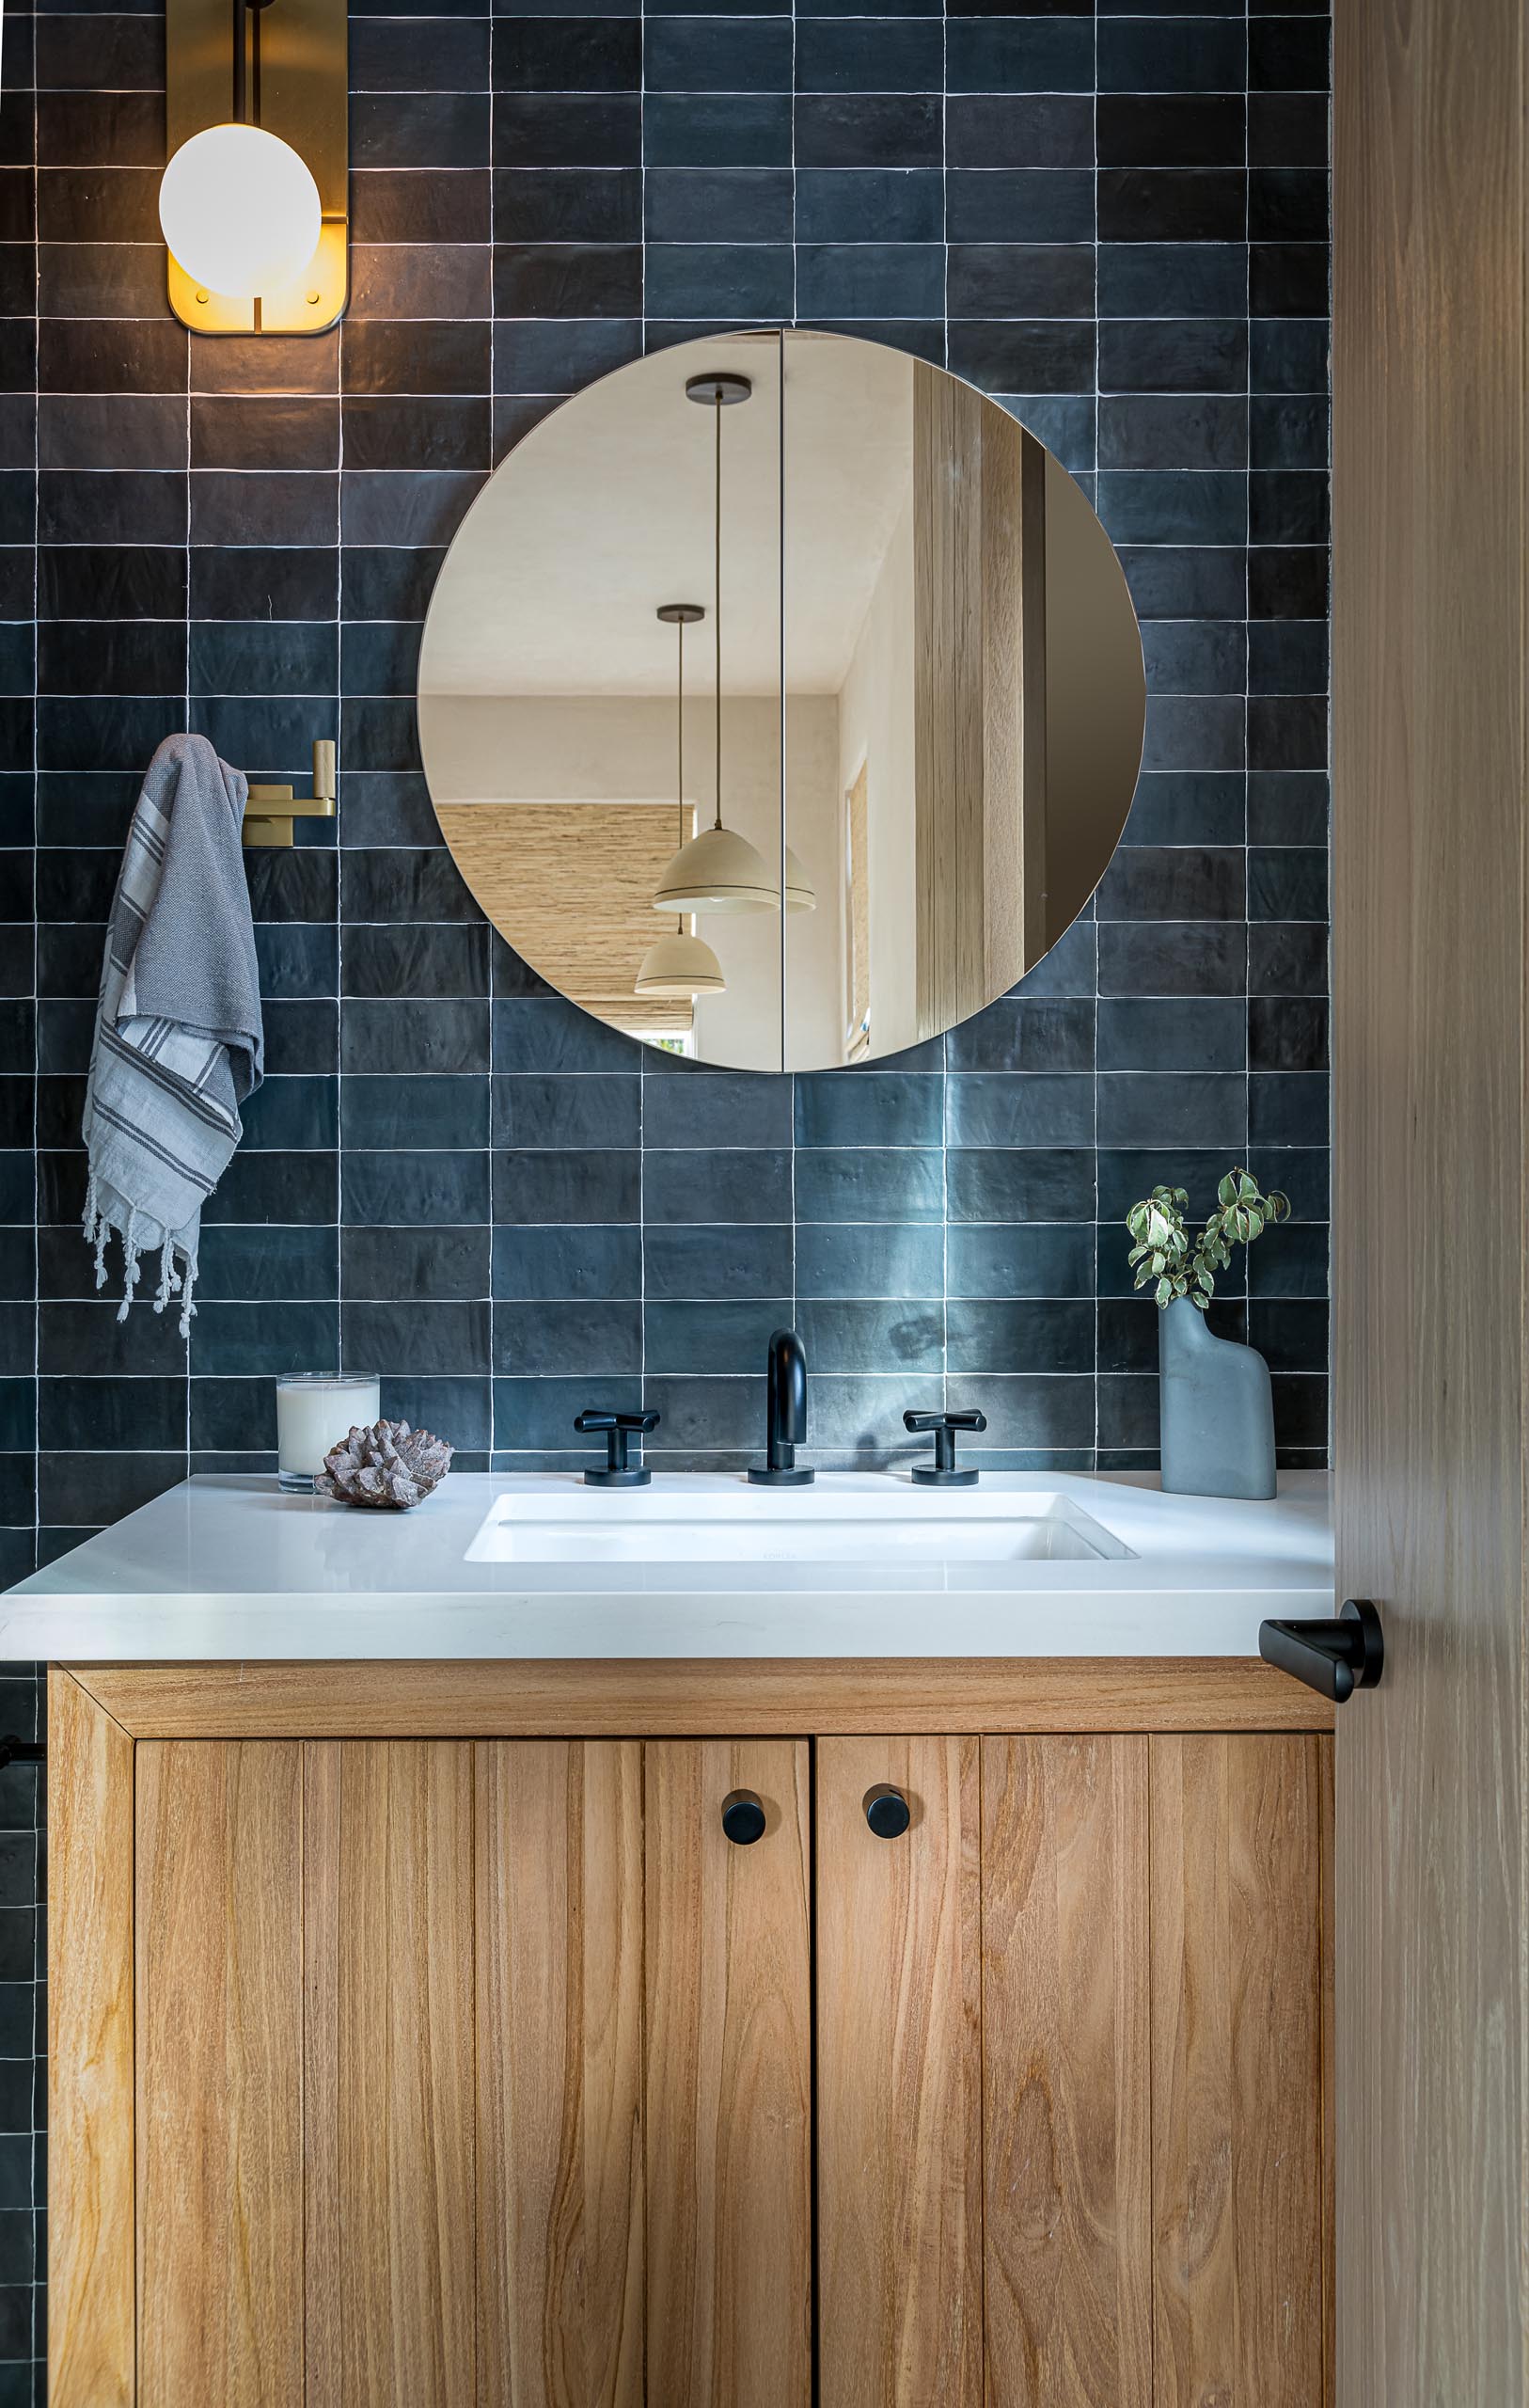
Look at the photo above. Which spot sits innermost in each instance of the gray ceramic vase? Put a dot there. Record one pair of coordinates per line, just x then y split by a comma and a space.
1217, 1410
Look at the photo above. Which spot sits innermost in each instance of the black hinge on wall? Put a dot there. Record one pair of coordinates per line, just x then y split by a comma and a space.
21, 1751
1335, 1656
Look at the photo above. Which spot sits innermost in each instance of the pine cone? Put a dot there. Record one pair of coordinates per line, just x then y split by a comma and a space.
389, 1466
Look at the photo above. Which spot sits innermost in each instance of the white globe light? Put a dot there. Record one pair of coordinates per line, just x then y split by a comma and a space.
240, 211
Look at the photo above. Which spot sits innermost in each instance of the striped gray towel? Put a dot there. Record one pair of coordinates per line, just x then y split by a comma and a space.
179, 1043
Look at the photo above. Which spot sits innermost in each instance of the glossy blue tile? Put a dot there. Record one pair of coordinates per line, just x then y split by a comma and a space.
870, 1260
865, 1336
567, 1263
1038, 1108
1037, 1259
864, 1183
578, 1338
872, 1108
723, 1335
710, 1108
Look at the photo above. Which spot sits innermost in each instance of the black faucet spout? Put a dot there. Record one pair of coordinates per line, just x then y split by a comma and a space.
786, 1415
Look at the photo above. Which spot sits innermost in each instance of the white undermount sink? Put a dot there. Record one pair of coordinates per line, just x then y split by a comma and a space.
672, 1523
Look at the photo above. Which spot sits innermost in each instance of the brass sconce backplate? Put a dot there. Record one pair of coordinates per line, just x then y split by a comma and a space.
306, 100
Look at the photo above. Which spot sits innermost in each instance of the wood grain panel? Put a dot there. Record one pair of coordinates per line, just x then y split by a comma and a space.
1330, 2156
92, 2079
1430, 434
559, 1842
637, 1698
1066, 2018
729, 2080
899, 2079
391, 2178
219, 1835
979, 702
1237, 2072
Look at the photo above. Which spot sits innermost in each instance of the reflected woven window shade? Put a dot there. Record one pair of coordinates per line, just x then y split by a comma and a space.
569, 885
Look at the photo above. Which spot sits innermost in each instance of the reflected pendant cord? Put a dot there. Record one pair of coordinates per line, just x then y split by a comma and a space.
717, 598
679, 760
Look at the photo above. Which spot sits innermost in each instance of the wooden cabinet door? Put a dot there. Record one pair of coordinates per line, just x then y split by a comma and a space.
728, 2079
218, 1908
559, 2067
388, 2120
1066, 2020
1241, 2218
304, 2074
398, 2143
899, 2079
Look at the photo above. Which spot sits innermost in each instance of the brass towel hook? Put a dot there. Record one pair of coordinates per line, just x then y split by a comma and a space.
269, 811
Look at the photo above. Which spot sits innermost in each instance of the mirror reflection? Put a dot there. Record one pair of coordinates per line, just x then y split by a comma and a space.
781, 613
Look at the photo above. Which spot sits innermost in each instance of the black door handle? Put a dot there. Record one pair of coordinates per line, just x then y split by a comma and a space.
887, 1811
1335, 1656
743, 1817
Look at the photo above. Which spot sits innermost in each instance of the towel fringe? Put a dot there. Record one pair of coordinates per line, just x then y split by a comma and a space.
169, 1284
129, 1251
140, 1236
96, 1228
188, 1310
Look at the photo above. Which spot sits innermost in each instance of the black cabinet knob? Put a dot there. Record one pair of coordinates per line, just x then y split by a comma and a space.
743, 1817
887, 1811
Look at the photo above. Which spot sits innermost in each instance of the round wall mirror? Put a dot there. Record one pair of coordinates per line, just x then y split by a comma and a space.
785, 615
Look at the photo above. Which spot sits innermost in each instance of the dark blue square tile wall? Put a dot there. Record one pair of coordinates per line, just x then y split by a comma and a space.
1114, 222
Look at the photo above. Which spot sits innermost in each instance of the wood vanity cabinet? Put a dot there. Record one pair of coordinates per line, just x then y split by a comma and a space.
484, 2068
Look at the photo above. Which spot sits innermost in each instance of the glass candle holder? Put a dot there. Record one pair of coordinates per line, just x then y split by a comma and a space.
315, 1410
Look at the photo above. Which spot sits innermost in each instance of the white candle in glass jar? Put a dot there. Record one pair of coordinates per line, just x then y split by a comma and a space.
314, 1412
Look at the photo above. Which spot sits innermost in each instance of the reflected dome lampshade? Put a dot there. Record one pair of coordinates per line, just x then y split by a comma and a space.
801, 895
716, 871
678, 967
240, 211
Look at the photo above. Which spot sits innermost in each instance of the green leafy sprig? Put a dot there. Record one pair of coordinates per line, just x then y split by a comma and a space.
1161, 1255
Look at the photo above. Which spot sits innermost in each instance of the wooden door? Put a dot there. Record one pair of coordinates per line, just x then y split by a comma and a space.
728, 2079
899, 2201
1430, 449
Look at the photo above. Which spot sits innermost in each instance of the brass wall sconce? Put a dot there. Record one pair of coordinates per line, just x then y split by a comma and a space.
255, 197
269, 811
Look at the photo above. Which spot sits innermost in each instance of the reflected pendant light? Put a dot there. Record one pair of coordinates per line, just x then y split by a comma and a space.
801, 895
679, 967
718, 870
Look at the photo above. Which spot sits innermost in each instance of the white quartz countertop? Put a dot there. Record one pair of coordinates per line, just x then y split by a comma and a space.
226, 1569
